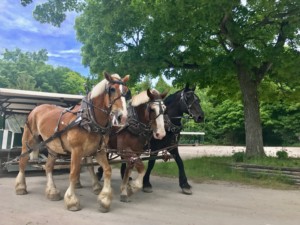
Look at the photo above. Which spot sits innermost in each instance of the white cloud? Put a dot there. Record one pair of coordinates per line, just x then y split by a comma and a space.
70, 51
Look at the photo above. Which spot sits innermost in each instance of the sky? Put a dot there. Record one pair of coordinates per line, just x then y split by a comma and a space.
18, 29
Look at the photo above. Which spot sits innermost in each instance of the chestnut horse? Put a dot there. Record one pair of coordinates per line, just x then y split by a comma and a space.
145, 120
81, 131
184, 101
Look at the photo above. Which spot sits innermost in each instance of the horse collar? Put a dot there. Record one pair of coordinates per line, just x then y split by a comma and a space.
88, 121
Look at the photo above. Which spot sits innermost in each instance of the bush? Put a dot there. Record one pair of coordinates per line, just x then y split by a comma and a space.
238, 156
282, 154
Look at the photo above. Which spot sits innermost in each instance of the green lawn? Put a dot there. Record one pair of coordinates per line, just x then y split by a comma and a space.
218, 168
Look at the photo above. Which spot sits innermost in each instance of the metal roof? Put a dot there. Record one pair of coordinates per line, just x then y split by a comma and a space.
13, 101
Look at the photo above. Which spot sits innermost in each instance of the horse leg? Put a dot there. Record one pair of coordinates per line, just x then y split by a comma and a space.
71, 201
125, 178
123, 169
183, 183
147, 187
20, 183
95, 184
105, 196
52, 193
137, 184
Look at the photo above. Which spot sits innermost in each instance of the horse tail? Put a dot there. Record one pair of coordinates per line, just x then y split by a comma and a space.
30, 139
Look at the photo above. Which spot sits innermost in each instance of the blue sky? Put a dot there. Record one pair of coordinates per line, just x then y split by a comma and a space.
18, 29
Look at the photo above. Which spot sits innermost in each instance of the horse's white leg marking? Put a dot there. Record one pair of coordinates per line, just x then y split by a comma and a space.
105, 195
137, 184
52, 193
95, 184
20, 185
124, 185
71, 201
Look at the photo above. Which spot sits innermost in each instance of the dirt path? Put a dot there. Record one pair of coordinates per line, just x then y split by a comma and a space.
210, 204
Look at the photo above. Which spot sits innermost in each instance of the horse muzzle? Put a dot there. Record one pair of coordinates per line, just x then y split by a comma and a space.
118, 118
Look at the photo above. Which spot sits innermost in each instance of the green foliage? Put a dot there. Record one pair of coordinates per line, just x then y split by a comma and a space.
282, 154
54, 11
161, 85
29, 71
238, 157
232, 48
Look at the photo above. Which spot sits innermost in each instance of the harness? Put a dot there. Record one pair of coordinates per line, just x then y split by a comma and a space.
85, 118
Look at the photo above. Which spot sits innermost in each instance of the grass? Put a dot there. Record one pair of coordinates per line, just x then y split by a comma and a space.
205, 169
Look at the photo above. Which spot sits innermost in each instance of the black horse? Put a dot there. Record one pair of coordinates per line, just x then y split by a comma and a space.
179, 103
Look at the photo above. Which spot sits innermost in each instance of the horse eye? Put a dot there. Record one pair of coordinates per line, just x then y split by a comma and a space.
112, 90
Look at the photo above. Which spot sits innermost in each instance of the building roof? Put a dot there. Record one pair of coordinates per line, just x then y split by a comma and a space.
13, 101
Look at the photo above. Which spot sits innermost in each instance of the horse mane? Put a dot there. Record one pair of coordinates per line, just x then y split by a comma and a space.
100, 87
142, 98
169, 99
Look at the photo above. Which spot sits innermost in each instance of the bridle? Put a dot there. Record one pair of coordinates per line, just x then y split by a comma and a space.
183, 99
108, 90
160, 104
87, 112
135, 126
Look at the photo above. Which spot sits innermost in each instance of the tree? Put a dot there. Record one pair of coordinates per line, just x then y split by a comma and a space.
201, 41
29, 71
228, 45
54, 11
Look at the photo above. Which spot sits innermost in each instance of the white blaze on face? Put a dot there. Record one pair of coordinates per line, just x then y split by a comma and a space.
124, 111
160, 131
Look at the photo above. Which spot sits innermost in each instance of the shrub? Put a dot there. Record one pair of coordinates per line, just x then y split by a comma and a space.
282, 154
238, 156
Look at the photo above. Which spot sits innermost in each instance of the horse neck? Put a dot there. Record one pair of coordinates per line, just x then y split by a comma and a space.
100, 110
141, 113
174, 111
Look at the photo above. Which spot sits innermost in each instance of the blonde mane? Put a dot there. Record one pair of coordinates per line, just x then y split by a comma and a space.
100, 87
141, 98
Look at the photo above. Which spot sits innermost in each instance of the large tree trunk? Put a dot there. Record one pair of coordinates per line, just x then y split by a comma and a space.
253, 128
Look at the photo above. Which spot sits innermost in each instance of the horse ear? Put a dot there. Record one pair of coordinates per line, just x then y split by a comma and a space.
126, 78
187, 85
164, 94
107, 76
149, 93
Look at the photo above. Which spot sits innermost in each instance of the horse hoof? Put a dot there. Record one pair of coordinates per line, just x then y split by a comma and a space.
74, 208
54, 197
147, 189
78, 185
103, 209
124, 198
21, 192
187, 191
97, 191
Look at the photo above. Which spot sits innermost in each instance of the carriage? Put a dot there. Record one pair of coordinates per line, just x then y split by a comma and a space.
15, 105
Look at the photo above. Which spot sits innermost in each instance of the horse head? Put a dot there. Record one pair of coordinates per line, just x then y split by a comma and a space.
191, 103
155, 109
113, 90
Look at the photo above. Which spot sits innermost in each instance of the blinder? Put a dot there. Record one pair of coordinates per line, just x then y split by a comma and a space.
111, 90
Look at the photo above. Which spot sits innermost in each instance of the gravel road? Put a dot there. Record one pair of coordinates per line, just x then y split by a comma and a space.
216, 203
